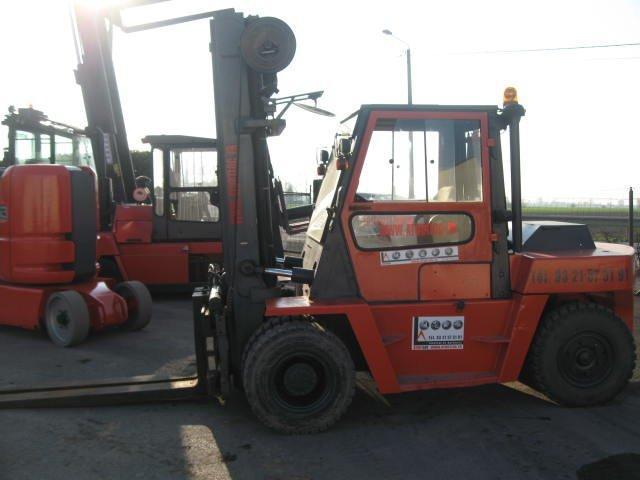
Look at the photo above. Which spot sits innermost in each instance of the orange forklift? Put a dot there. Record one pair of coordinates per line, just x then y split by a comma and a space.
165, 238
139, 239
48, 275
433, 284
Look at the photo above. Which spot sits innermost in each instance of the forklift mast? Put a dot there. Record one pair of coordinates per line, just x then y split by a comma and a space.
105, 121
247, 53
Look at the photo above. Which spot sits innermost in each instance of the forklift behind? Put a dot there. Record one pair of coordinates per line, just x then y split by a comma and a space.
139, 239
434, 289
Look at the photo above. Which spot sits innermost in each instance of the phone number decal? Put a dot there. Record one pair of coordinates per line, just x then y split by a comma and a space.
586, 275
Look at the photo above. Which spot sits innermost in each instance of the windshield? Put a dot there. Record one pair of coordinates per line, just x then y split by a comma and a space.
324, 201
85, 153
35, 147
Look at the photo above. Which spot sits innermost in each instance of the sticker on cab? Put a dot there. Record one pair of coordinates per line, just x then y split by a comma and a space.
438, 333
419, 255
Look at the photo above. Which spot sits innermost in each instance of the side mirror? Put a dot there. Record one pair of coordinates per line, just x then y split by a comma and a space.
322, 157
344, 153
344, 146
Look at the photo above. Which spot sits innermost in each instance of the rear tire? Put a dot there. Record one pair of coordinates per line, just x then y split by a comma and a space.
582, 354
139, 304
67, 318
298, 377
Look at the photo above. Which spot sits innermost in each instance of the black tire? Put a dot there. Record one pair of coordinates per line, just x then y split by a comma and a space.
582, 355
526, 375
298, 377
67, 318
139, 303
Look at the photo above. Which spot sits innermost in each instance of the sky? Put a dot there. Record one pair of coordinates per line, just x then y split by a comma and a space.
579, 137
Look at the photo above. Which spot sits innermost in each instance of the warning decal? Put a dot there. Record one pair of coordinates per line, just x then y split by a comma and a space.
438, 333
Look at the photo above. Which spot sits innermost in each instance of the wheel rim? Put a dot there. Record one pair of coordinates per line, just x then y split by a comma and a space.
586, 359
302, 384
59, 319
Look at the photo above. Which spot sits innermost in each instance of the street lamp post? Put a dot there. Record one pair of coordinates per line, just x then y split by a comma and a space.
410, 102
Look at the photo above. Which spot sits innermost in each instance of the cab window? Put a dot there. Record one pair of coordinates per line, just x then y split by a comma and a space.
193, 207
85, 153
192, 179
193, 168
434, 160
158, 181
32, 148
382, 231
64, 150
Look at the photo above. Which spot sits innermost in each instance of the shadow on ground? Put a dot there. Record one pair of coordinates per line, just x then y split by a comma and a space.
488, 432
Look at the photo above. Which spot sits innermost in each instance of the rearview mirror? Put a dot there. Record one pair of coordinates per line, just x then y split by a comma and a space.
344, 146
322, 157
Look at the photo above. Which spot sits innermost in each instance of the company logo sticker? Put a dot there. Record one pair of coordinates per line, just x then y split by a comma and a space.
438, 333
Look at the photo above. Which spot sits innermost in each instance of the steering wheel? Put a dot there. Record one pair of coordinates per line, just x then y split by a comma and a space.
144, 182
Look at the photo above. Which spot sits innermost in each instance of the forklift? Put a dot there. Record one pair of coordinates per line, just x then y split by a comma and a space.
435, 286
137, 232
48, 275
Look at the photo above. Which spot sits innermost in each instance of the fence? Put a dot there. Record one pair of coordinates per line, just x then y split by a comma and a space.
608, 219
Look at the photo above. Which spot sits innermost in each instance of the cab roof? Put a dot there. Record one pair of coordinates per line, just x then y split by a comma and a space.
368, 108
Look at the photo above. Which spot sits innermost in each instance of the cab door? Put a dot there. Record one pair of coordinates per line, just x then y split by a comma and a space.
192, 195
417, 208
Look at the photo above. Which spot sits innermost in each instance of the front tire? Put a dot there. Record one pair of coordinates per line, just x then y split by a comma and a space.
298, 377
67, 318
583, 354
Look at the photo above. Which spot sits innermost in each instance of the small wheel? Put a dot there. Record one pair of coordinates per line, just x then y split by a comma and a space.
67, 318
139, 304
297, 376
268, 45
582, 354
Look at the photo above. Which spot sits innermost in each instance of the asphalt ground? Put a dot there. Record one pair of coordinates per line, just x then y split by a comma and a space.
165, 348
492, 432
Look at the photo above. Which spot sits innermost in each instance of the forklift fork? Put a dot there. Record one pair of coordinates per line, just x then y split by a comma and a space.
140, 389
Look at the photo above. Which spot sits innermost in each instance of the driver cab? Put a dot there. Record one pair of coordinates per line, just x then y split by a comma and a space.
33, 139
184, 187
406, 198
